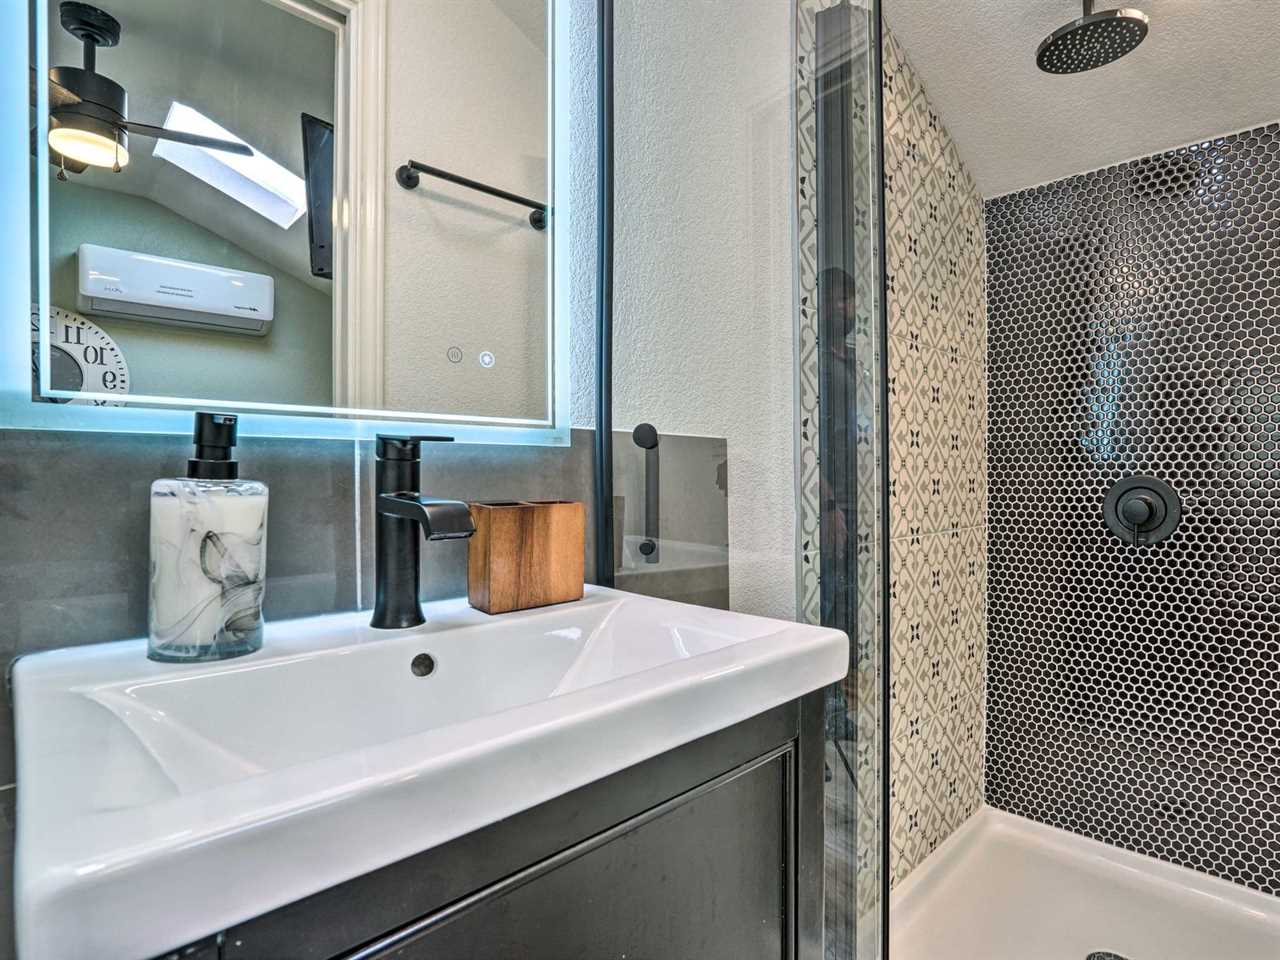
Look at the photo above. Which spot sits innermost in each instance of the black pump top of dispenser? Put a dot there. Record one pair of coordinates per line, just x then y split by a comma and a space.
215, 435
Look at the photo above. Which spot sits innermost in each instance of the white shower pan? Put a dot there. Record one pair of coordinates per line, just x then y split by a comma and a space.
1006, 888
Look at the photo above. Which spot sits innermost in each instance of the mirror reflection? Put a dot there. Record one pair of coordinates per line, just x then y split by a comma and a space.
196, 208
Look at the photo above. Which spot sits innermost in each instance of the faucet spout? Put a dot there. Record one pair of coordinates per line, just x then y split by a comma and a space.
439, 519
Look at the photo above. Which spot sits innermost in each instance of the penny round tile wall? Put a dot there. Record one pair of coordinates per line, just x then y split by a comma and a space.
1134, 328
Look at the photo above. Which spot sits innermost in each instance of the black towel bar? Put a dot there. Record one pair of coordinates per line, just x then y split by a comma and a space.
408, 176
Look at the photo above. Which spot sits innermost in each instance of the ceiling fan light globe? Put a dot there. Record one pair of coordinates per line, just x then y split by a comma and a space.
88, 140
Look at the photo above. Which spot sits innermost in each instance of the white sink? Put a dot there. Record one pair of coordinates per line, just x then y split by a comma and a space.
160, 803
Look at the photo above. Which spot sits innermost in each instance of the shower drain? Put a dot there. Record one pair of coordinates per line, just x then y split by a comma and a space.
1105, 955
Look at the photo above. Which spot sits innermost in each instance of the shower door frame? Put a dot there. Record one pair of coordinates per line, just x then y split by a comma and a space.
886, 658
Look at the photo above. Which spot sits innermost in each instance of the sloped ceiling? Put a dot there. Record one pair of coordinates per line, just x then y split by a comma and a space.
1208, 67
248, 65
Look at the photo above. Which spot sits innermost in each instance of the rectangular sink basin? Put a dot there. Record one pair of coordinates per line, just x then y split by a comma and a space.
161, 803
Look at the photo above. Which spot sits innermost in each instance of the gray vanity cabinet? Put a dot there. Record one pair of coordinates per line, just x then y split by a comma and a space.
703, 880
712, 851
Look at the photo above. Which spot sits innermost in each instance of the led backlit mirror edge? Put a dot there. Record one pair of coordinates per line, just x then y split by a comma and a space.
18, 411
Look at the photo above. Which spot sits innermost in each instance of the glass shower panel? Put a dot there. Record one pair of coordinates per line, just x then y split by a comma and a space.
840, 277
747, 387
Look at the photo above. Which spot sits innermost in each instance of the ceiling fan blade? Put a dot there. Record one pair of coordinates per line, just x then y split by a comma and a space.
194, 139
59, 96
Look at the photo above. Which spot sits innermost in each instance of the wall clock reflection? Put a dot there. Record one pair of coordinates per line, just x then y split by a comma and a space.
83, 357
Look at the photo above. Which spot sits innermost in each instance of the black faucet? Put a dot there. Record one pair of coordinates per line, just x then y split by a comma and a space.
401, 510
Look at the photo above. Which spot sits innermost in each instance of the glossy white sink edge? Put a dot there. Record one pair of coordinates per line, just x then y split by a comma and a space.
132, 883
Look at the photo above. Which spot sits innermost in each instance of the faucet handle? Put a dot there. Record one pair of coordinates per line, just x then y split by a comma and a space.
393, 447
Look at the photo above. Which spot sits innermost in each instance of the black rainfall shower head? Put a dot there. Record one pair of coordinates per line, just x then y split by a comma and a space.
1093, 40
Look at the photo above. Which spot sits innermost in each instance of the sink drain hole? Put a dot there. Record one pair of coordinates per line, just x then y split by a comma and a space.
1105, 955
424, 664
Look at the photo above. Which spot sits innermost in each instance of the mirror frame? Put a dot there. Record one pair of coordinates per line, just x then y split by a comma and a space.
364, 169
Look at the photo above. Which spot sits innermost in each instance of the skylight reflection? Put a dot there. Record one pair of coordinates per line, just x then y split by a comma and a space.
258, 182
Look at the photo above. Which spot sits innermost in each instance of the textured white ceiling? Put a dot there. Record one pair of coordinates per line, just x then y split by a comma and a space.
1208, 67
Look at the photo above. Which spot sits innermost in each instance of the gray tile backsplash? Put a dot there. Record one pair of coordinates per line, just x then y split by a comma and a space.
312, 537
74, 515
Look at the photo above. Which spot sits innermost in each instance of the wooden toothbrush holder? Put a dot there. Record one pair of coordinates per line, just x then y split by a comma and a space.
525, 553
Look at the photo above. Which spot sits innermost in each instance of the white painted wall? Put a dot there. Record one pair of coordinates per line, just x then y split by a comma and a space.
703, 321
467, 91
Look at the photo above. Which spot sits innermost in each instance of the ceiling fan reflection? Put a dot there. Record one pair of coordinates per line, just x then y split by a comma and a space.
88, 112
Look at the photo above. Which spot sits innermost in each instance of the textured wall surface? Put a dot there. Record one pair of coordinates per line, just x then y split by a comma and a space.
1134, 692
576, 242
936, 262
703, 329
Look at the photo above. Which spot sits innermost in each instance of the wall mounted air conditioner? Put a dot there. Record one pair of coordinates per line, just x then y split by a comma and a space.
139, 286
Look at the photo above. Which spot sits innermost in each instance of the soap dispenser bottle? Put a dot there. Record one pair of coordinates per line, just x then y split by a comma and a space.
208, 554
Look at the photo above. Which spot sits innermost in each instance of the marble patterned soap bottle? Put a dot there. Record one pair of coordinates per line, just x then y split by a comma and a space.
208, 554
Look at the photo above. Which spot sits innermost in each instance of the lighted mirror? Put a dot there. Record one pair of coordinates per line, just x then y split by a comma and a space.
334, 214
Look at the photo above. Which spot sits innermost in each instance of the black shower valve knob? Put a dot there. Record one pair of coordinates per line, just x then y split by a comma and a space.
1142, 510
1137, 510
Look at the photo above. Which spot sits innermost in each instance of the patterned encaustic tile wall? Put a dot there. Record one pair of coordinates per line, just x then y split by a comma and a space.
1135, 329
936, 264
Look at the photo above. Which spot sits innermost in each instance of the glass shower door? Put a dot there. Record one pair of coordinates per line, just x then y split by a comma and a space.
746, 370
842, 394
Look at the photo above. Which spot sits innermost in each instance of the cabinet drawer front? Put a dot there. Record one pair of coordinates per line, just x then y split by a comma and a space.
704, 875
